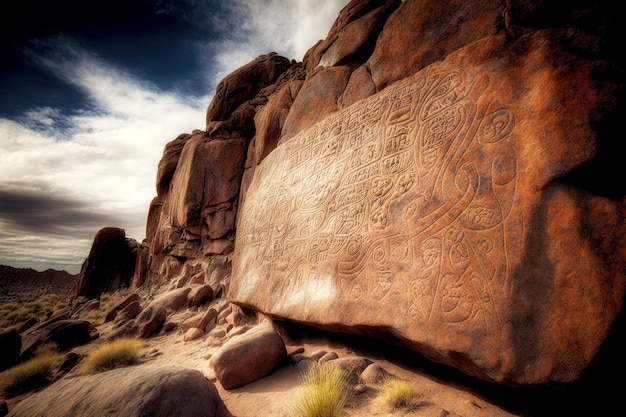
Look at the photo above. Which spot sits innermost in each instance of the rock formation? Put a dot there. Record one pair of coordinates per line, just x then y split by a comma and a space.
439, 173
164, 390
110, 264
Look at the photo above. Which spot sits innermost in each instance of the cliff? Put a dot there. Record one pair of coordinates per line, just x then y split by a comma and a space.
445, 175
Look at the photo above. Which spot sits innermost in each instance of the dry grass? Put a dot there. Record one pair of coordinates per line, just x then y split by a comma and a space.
14, 313
325, 392
396, 394
116, 354
34, 373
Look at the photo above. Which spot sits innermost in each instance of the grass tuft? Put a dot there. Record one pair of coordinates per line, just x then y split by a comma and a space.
396, 394
325, 392
32, 374
116, 354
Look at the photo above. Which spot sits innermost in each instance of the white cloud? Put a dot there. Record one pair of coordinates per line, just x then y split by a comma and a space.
289, 28
104, 159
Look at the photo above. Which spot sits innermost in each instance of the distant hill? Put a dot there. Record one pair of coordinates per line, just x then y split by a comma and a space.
21, 284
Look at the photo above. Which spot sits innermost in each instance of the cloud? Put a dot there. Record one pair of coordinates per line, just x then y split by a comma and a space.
256, 27
64, 176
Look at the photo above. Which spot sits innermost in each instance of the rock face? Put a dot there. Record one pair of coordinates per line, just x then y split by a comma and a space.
450, 209
191, 223
110, 264
442, 173
164, 390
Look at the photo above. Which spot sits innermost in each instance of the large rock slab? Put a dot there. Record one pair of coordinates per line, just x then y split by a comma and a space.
457, 211
163, 390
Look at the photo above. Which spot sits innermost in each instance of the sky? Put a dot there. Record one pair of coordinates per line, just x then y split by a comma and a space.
90, 95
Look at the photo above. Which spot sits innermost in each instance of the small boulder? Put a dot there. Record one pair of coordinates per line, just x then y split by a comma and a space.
193, 333
129, 312
200, 295
172, 300
248, 357
200, 320
151, 320
374, 374
112, 313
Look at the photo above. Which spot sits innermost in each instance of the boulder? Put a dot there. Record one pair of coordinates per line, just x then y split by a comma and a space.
248, 357
193, 333
112, 313
244, 84
200, 320
11, 343
110, 264
200, 295
172, 300
65, 333
460, 210
157, 391
129, 312
150, 321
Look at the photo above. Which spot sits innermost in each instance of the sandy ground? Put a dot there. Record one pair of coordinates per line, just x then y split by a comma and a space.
443, 392
276, 394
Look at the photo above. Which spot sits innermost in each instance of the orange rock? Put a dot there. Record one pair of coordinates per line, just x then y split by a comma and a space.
444, 210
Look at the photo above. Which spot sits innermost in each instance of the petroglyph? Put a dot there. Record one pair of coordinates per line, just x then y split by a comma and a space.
406, 193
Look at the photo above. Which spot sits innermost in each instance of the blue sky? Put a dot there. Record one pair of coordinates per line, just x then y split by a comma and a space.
89, 97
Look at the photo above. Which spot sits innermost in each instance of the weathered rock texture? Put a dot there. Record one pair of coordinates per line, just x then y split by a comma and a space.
165, 390
455, 209
248, 357
443, 173
110, 264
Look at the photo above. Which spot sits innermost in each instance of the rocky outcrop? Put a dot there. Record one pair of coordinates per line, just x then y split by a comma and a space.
449, 209
442, 174
164, 390
110, 264
65, 334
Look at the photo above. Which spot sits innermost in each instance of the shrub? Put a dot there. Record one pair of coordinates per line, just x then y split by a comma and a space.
94, 315
116, 354
325, 392
34, 373
396, 394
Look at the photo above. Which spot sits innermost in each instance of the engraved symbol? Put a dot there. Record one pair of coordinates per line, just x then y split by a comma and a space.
383, 285
497, 126
380, 186
380, 219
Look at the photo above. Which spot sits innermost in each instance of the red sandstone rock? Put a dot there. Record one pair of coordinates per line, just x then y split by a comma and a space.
150, 321
172, 300
543, 183
316, 99
248, 357
200, 320
446, 209
110, 264
244, 84
112, 313
129, 312
200, 295
421, 32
